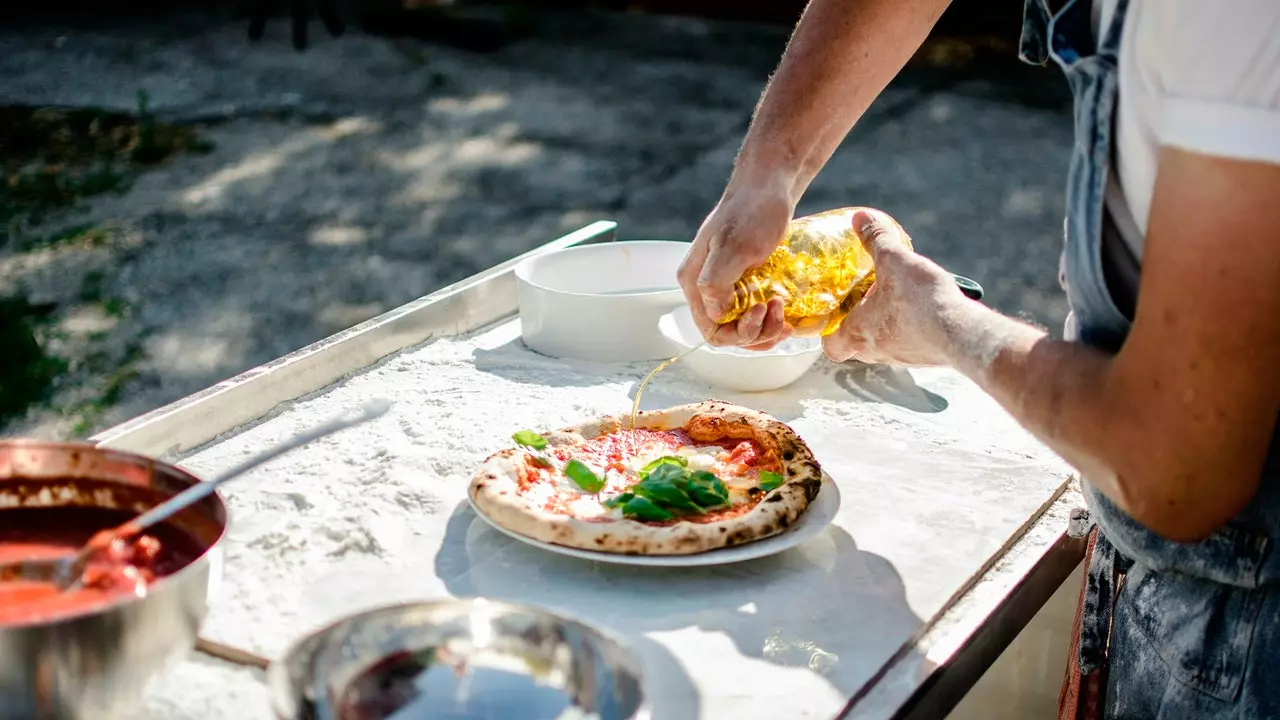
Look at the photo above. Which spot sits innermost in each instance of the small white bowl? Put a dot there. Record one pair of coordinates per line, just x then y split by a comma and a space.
600, 302
736, 368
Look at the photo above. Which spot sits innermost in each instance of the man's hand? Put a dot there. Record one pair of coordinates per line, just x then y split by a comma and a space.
300, 12
738, 235
896, 323
840, 57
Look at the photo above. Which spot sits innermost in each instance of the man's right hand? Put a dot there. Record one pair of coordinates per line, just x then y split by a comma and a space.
840, 57
744, 227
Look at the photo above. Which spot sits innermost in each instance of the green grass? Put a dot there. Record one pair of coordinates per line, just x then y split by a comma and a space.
115, 307
88, 414
82, 236
28, 374
52, 159
91, 286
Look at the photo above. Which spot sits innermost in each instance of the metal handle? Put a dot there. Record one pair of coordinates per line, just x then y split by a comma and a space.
71, 571
971, 289
194, 493
231, 654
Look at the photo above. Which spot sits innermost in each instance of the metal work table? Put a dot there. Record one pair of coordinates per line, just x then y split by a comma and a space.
951, 534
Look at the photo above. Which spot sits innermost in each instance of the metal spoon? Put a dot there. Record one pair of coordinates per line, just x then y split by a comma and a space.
66, 572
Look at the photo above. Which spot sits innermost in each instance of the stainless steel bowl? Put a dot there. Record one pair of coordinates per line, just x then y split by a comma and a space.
97, 665
458, 659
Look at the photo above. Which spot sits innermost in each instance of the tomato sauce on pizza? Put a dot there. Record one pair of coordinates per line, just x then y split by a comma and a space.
619, 459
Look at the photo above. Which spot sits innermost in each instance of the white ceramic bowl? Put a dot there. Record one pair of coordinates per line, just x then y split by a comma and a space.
736, 368
600, 302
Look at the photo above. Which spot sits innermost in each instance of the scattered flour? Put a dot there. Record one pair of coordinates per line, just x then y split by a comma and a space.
378, 514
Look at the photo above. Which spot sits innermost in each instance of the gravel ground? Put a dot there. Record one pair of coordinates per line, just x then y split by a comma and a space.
369, 171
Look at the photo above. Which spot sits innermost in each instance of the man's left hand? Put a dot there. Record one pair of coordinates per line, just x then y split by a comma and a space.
899, 321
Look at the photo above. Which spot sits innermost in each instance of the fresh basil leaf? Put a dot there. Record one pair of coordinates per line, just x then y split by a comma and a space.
706, 489
667, 494
716, 485
578, 472
529, 438
617, 500
641, 508
664, 460
769, 480
705, 498
667, 472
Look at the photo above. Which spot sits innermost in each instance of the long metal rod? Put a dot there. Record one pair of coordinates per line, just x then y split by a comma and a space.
68, 571
196, 492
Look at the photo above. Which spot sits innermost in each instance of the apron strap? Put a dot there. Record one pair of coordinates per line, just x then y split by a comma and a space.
1084, 687
1081, 695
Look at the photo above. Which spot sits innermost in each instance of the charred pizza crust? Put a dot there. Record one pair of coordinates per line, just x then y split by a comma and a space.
495, 487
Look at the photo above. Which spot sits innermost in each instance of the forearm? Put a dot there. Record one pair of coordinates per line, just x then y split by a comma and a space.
1136, 441
1178, 426
842, 55
1053, 388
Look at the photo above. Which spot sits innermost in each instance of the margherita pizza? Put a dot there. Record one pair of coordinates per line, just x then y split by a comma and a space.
684, 480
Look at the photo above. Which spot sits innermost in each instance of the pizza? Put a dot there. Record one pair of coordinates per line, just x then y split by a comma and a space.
684, 480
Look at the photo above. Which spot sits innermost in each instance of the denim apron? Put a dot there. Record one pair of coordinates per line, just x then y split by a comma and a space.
1184, 630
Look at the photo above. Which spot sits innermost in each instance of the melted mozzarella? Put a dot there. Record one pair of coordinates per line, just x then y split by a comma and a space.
591, 507
587, 507
539, 494
707, 458
703, 460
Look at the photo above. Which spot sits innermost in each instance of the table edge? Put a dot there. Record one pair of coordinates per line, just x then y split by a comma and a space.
959, 644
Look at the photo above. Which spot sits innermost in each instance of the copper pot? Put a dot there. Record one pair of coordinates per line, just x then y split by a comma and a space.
97, 664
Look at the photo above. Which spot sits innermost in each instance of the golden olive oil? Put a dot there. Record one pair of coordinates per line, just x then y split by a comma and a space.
820, 270
635, 404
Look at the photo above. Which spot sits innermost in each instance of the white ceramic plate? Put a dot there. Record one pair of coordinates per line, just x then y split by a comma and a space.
812, 521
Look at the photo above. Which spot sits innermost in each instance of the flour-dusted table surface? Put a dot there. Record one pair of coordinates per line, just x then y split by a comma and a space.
938, 485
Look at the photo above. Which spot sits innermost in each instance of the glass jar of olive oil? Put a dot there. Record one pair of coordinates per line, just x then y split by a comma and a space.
820, 270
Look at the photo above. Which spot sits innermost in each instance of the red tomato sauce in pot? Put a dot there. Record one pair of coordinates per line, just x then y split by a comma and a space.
124, 569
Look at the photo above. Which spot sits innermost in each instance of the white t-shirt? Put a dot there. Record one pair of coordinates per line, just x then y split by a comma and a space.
1201, 75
